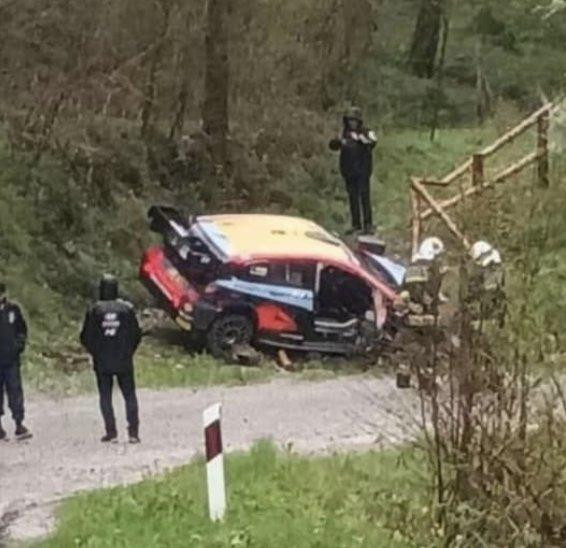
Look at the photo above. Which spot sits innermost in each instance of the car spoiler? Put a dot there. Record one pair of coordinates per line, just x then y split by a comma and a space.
165, 220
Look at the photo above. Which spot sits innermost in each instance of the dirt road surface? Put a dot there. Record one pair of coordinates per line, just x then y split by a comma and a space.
65, 455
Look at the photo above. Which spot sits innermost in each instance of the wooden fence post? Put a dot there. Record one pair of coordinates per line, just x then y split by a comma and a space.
416, 220
477, 170
543, 123
441, 213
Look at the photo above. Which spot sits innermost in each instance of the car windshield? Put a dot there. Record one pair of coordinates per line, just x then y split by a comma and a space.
385, 269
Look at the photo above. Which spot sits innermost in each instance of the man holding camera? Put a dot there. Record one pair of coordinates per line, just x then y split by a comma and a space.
356, 144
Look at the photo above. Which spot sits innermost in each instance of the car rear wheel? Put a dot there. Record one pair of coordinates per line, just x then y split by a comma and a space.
229, 331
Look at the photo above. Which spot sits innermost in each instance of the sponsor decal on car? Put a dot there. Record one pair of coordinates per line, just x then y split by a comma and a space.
301, 298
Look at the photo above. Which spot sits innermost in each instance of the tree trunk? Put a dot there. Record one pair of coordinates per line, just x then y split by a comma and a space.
438, 97
484, 97
183, 75
426, 38
155, 58
216, 80
358, 27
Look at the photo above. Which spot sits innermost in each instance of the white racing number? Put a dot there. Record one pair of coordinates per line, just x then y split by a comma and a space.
110, 324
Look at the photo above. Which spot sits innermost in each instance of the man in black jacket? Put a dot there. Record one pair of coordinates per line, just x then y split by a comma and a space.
111, 335
356, 144
13, 336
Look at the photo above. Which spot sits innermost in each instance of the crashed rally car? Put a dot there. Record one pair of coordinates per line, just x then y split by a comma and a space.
269, 280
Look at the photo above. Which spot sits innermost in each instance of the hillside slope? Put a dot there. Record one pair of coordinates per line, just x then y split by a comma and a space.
77, 174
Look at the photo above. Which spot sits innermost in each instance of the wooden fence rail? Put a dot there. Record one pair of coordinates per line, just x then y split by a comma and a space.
424, 205
501, 177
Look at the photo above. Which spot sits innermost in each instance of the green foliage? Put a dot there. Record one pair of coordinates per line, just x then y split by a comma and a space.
76, 176
277, 500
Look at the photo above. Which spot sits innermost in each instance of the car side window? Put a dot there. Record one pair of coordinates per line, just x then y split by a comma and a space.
257, 272
299, 275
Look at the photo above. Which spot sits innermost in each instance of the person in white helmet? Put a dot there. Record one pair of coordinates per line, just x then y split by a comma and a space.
430, 249
487, 283
484, 254
413, 346
423, 279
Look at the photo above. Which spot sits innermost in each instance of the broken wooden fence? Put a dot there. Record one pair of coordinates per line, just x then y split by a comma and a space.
424, 205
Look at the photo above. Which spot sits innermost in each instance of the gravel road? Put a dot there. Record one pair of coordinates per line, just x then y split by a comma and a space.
65, 455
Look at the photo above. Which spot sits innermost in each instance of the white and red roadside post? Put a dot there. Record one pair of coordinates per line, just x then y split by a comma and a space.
214, 462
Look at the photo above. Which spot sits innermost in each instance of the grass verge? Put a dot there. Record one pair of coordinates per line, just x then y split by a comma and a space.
58, 366
275, 499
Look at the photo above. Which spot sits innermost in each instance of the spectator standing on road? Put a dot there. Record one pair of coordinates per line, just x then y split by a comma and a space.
111, 335
356, 144
13, 336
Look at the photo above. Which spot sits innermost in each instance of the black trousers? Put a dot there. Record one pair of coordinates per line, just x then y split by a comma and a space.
11, 383
127, 386
360, 202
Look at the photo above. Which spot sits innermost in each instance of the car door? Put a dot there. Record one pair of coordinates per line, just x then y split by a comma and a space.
282, 293
343, 301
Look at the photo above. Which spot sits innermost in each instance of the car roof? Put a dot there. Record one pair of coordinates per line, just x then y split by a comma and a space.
249, 236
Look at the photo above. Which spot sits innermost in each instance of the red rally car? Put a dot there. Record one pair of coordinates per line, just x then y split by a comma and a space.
269, 280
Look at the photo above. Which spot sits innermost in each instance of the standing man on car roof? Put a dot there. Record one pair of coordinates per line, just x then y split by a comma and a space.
356, 144
111, 335
13, 336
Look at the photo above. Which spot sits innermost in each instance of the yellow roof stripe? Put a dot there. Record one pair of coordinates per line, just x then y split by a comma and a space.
247, 235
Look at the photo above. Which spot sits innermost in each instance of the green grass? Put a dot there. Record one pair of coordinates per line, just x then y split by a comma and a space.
404, 153
56, 364
61, 367
157, 366
275, 500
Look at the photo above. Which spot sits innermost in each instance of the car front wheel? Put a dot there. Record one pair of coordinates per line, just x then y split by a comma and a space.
227, 332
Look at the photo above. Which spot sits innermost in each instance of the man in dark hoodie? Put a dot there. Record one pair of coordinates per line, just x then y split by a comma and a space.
111, 335
356, 144
13, 336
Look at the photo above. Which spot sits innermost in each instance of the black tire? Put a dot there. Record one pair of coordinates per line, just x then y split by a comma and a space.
227, 331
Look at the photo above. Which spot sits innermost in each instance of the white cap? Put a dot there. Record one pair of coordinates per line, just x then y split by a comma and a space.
485, 254
429, 249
